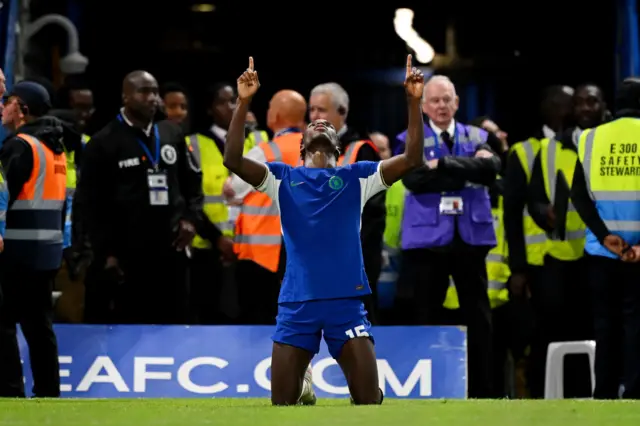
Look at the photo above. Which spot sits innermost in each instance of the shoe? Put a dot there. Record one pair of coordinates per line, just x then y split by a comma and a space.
308, 396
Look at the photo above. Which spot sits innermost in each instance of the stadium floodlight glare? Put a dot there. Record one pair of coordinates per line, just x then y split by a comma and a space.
203, 8
403, 23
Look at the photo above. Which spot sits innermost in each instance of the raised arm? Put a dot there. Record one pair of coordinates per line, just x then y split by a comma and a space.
394, 168
250, 171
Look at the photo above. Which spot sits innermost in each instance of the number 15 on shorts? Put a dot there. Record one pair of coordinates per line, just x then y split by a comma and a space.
358, 331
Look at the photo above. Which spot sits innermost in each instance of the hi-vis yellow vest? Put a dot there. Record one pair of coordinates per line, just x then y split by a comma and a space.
72, 172
535, 238
214, 174
394, 203
498, 272
254, 138
554, 158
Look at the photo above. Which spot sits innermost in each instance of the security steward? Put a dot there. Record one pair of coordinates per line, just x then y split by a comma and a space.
253, 134
526, 240
561, 306
605, 193
329, 101
142, 199
213, 246
35, 169
258, 239
76, 256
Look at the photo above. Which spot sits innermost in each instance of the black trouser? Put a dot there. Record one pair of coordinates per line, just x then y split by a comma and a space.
27, 301
615, 291
206, 279
372, 267
154, 290
258, 290
429, 273
560, 300
500, 350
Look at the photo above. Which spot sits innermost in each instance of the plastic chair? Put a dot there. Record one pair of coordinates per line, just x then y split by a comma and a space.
554, 374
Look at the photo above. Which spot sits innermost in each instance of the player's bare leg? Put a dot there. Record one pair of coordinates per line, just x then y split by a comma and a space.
288, 368
358, 363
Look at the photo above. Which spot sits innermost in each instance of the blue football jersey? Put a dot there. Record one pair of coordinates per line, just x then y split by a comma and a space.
321, 214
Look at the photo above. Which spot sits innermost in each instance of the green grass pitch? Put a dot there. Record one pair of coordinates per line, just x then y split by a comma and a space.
333, 412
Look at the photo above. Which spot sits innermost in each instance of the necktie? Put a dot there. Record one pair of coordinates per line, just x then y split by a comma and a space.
446, 138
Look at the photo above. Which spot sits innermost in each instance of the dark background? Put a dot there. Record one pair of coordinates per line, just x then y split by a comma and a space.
517, 47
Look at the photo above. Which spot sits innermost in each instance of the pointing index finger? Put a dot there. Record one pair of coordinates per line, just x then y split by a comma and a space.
409, 63
251, 63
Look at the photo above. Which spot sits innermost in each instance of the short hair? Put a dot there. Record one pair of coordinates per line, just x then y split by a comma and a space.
172, 87
339, 96
439, 78
590, 84
213, 92
71, 83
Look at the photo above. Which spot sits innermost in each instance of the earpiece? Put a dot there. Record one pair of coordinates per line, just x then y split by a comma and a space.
342, 110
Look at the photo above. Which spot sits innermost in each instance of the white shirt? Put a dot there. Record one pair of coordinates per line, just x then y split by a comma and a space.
219, 132
146, 131
547, 132
438, 131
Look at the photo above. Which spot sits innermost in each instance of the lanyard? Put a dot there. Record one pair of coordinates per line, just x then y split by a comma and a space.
286, 132
456, 144
154, 160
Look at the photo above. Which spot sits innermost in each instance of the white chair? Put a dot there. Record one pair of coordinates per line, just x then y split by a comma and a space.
554, 374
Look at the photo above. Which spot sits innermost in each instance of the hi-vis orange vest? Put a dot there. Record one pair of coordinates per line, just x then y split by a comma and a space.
351, 153
34, 221
258, 230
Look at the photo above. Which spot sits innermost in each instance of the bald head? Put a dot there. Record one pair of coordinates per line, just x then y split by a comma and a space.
287, 108
140, 95
136, 79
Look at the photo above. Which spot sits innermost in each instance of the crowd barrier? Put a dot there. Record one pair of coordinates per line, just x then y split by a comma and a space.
233, 361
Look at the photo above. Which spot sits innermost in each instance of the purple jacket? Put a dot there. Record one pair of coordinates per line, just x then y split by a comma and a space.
422, 224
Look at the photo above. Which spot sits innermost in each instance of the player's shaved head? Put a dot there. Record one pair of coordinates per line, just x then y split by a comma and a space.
287, 108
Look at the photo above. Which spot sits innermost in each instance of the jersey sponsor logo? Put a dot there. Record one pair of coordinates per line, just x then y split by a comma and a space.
296, 183
169, 154
336, 183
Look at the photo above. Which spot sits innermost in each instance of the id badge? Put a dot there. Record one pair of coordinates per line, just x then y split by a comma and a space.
158, 189
451, 205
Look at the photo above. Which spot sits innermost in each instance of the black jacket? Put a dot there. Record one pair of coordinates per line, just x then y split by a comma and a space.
515, 201
113, 192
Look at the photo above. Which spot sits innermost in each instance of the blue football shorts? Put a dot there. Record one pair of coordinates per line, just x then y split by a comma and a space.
303, 324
